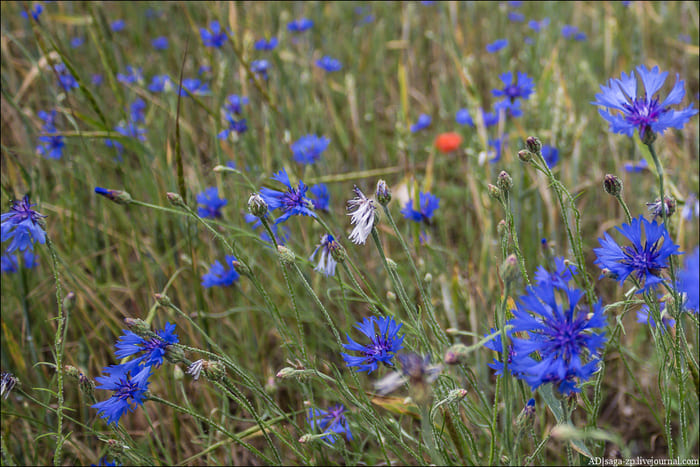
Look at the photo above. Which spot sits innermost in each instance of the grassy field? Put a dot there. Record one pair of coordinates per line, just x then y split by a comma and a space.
145, 189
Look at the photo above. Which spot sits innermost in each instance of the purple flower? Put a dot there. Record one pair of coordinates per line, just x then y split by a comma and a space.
691, 207
160, 43
642, 111
132, 75
496, 46
234, 104
210, 204
150, 351
644, 317
159, 83
560, 277
235, 126
260, 68
382, 346
34, 12
516, 16
424, 121
640, 166
292, 202
326, 262
522, 87
22, 225
498, 146
214, 36
77, 42
117, 25
537, 26
193, 86
128, 392
65, 79
332, 421
308, 149
644, 261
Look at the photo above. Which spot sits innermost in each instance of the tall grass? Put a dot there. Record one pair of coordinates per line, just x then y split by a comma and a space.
273, 340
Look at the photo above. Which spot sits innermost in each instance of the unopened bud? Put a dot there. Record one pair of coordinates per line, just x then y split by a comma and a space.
215, 371
286, 255
383, 193
612, 185
178, 374
162, 299
68, 302
175, 199
533, 144
656, 207
456, 354
257, 205
494, 191
241, 268
338, 252
511, 272
525, 155
505, 182
174, 354
119, 197
286, 372
526, 416
138, 326
428, 278
502, 227
456, 395
391, 296
391, 264
609, 274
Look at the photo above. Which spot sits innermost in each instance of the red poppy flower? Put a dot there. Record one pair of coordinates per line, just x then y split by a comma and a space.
447, 142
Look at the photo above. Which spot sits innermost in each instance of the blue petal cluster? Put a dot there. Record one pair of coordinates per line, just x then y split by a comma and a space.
560, 277
214, 36
641, 110
329, 64
520, 87
331, 421
129, 391
424, 121
689, 282
300, 25
51, 146
266, 44
210, 204
326, 262
643, 261
151, 350
427, 207
308, 148
382, 347
321, 197
219, 276
496, 46
22, 226
292, 202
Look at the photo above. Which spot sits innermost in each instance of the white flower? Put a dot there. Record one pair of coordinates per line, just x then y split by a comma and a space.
362, 210
195, 369
326, 263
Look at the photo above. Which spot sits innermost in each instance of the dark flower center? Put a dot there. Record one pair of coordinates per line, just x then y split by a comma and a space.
643, 112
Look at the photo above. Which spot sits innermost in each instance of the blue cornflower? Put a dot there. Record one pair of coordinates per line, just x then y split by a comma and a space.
260, 67
689, 282
77, 42
326, 262
132, 75
562, 335
117, 25
7, 383
22, 225
65, 79
516, 16
159, 83
8, 263
321, 197
236, 126
160, 43
691, 207
515, 4
210, 204
281, 232
560, 277
292, 202
570, 32
103, 462
496, 344
34, 12
642, 111
150, 350
329, 63
266, 44
300, 25
382, 347
332, 421
96, 79
234, 104
550, 155
523, 86
137, 110
194, 86
537, 26
426, 209
129, 391
49, 119
423, 122
215, 36
51, 147
220, 276
644, 317
498, 146
640, 166
463, 118
308, 148
129, 129
496, 46
507, 107
642, 261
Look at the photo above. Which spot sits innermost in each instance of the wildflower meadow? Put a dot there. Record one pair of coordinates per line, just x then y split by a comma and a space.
350, 233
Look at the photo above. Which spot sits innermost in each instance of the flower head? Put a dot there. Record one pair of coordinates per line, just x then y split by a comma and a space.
129, 391
234, 126
234, 104
496, 46
329, 64
644, 317
7, 383
523, 86
22, 225
362, 211
210, 204
300, 25
427, 207
292, 202
382, 347
34, 12
260, 68
560, 277
537, 26
117, 25
193, 86
10, 264
326, 262
152, 349
562, 335
572, 32
644, 261
447, 142
219, 276
160, 43
159, 83
691, 207
132, 75
266, 44
308, 148
550, 155
321, 197
214, 36
51, 146
65, 79
77, 42
424, 121
331, 421
642, 111
689, 282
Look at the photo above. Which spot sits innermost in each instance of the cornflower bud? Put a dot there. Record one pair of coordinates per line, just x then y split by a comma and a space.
533, 144
174, 354
505, 182
175, 199
138, 327
257, 205
511, 272
286, 255
338, 252
119, 197
178, 374
494, 191
163, 300
68, 302
502, 227
391, 264
383, 193
525, 155
456, 354
612, 185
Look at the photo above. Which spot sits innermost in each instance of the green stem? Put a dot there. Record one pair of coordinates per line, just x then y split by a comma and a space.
514, 235
58, 345
624, 206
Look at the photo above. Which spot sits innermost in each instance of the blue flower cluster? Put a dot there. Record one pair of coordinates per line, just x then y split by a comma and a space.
51, 146
382, 347
22, 226
129, 381
331, 421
